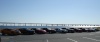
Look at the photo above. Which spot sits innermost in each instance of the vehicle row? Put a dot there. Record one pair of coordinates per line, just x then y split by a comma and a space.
31, 31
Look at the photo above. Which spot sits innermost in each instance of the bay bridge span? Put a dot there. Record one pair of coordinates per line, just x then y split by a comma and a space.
42, 25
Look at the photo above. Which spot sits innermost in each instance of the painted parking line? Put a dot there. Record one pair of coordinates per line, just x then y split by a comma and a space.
97, 32
72, 40
97, 36
4, 38
91, 34
31, 41
8, 38
47, 40
91, 39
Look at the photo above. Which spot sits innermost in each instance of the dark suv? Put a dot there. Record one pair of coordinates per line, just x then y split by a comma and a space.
26, 31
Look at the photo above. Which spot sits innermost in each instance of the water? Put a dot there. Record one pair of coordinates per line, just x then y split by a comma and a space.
32, 27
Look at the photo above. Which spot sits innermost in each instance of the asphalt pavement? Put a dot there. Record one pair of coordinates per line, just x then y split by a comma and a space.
68, 37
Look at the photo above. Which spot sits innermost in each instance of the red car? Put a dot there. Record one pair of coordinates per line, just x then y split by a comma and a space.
50, 30
39, 30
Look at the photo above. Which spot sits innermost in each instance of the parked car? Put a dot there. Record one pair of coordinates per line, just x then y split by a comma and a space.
76, 29
97, 29
70, 30
84, 29
49, 30
7, 31
60, 30
63, 28
26, 31
88, 29
39, 30
91, 30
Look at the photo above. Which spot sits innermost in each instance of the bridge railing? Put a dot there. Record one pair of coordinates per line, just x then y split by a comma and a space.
42, 24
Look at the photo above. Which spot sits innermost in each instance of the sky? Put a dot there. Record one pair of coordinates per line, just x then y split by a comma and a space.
50, 11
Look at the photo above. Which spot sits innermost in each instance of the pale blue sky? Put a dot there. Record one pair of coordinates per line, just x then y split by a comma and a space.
50, 11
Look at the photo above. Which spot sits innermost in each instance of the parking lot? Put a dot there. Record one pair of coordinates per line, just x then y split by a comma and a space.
68, 37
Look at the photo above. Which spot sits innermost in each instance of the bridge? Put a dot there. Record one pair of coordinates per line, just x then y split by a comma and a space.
42, 25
